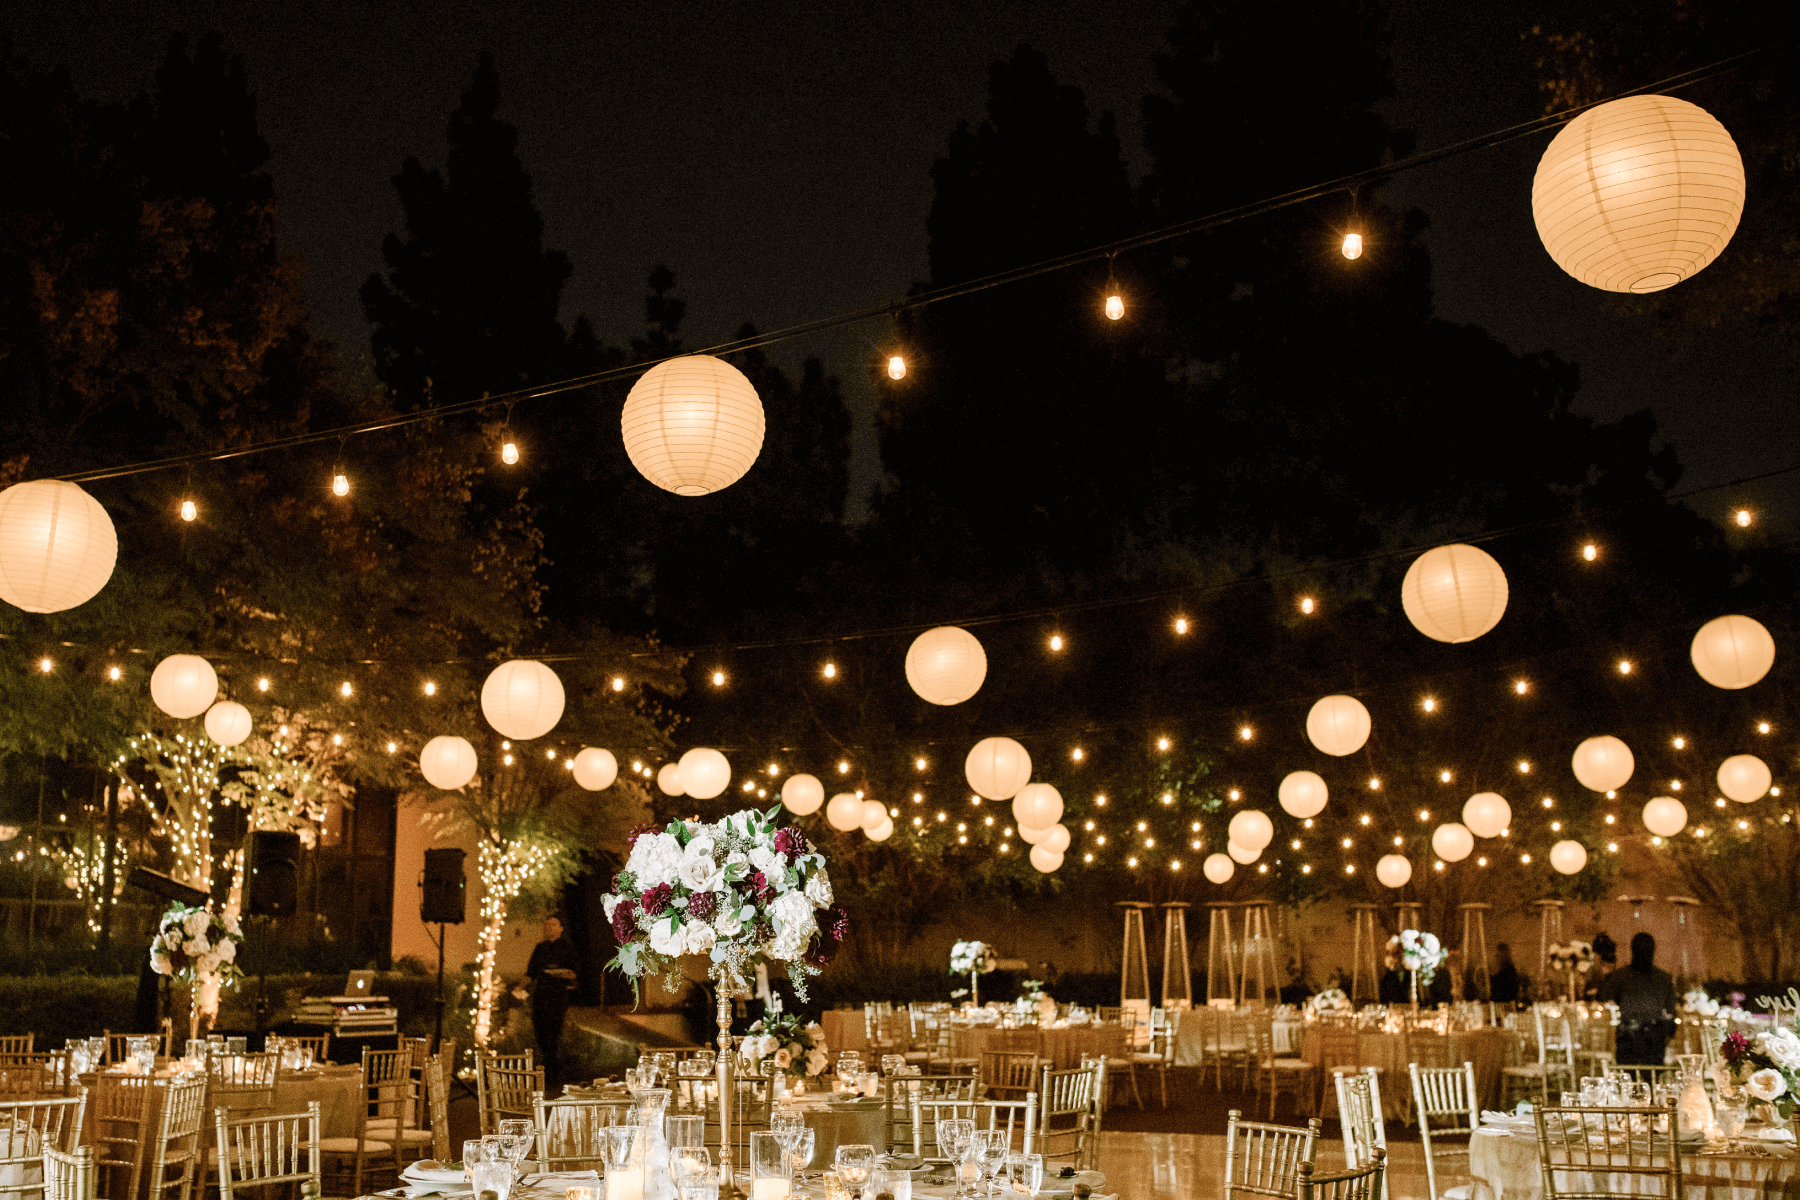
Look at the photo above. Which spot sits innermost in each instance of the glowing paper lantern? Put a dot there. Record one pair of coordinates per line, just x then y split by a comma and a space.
802, 795
1454, 593
874, 812
595, 769
1393, 870
57, 546
1242, 854
1744, 777
1033, 836
881, 832
1452, 841
1038, 805
522, 699
1056, 838
1045, 860
447, 762
946, 665
704, 773
1218, 868
1733, 652
1338, 725
1302, 794
692, 425
668, 780
1568, 857
228, 723
1252, 829
1487, 814
844, 812
997, 768
184, 685
1665, 816
1603, 764
1637, 194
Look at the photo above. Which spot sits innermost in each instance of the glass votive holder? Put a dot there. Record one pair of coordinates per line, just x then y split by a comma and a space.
771, 1170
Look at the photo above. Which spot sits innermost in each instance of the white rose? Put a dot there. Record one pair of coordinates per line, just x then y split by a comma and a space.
726, 925
698, 937
665, 940
197, 922
1766, 1084
1781, 1045
227, 951
700, 873
815, 1033
768, 862
194, 947
701, 845
816, 1061
818, 889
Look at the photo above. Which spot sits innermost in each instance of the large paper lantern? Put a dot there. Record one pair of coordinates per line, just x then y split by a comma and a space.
1452, 841
1568, 857
1242, 854
1038, 805
228, 723
595, 769
1637, 194
1218, 868
1338, 725
1665, 816
1302, 794
946, 665
692, 425
668, 780
1045, 859
522, 699
1733, 652
1252, 829
1744, 777
1056, 838
874, 812
704, 773
447, 762
1487, 814
1393, 870
802, 795
997, 768
1603, 764
844, 812
1033, 835
881, 832
1454, 593
57, 546
184, 685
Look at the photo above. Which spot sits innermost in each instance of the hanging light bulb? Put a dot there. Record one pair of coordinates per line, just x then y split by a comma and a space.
896, 367
1115, 306
340, 484
189, 510
1352, 247
509, 453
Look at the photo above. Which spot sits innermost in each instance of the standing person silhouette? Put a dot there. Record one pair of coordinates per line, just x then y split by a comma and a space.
551, 971
1645, 995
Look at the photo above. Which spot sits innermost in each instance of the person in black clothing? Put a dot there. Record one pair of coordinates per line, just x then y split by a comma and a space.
1503, 985
1393, 987
551, 971
1646, 999
1606, 961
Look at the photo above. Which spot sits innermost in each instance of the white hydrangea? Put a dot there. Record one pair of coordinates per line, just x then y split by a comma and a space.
197, 922
698, 937
655, 859
818, 889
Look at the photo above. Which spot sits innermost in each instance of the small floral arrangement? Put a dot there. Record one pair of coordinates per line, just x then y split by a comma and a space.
1700, 1004
1576, 956
1033, 989
1767, 1065
195, 942
1331, 1000
976, 958
740, 891
792, 1048
1418, 952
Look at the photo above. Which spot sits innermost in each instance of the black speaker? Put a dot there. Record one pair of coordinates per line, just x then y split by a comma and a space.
442, 902
274, 873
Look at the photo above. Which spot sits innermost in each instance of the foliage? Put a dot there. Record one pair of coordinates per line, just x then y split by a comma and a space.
193, 942
793, 1046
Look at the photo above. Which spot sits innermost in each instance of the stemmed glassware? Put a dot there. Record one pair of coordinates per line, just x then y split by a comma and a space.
854, 1164
954, 1135
991, 1147
516, 1137
802, 1151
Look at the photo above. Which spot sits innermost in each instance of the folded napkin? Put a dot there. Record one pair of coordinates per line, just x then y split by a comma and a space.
414, 1173
571, 1176
432, 1189
1773, 1133
1494, 1131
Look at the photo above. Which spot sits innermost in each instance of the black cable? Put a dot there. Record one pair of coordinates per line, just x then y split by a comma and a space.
1351, 183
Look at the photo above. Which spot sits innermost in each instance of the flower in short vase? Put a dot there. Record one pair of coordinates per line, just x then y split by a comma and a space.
1766, 1084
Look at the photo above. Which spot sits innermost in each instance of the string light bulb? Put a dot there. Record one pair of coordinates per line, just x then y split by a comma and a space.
1115, 306
340, 484
1590, 552
896, 367
1353, 247
509, 453
1056, 641
189, 510
1624, 666
1181, 624
830, 670
618, 683
46, 666
345, 690
1245, 733
1742, 517
1428, 704
1307, 605
430, 688
114, 674
718, 679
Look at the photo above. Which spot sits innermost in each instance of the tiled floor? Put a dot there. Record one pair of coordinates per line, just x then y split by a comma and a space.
1181, 1166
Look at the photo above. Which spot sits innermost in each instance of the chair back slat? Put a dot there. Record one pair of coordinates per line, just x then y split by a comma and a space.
259, 1150
1591, 1153
1066, 1110
437, 1092
1263, 1159
1358, 1183
70, 1175
570, 1133
899, 1092
504, 1090
1016, 1117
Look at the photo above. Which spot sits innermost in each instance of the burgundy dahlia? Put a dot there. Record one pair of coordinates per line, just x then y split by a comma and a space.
790, 843
701, 906
1735, 1046
760, 890
638, 831
658, 899
839, 926
624, 921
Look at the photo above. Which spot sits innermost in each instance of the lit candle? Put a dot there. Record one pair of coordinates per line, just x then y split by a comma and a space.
626, 1183
766, 1189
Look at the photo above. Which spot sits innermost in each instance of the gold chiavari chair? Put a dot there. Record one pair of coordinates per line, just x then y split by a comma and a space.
1362, 1183
261, 1150
69, 1175
437, 1093
1359, 1115
898, 1093
570, 1133
1446, 1102
173, 1158
1276, 1072
1017, 1117
16, 1043
504, 1091
1600, 1153
1006, 1074
120, 1104
1068, 1102
393, 1091
1265, 1160
28, 1130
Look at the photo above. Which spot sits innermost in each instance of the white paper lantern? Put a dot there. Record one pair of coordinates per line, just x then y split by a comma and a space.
1393, 870
184, 685
595, 769
1045, 860
522, 699
1452, 841
881, 832
874, 812
1487, 814
1665, 816
1338, 725
1568, 857
1744, 778
1242, 854
802, 795
1454, 593
1637, 194
447, 762
668, 780
1302, 794
1603, 764
692, 425
1733, 652
704, 773
57, 546
1033, 835
997, 768
1056, 838
1218, 868
228, 723
1038, 805
1252, 829
844, 812
946, 665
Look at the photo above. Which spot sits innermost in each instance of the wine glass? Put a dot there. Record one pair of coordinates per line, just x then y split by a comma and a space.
991, 1155
952, 1135
1028, 1173
854, 1164
516, 1137
803, 1149
694, 1179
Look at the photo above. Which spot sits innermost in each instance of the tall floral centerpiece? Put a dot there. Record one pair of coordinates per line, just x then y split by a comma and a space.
740, 891
973, 959
1574, 960
193, 944
1420, 954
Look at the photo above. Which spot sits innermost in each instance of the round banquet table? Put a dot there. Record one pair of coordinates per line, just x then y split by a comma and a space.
1504, 1166
1486, 1048
1063, 1048
859, 1124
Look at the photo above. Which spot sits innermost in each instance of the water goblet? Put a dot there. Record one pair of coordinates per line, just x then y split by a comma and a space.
991, 1155
694, 1175
516, 1137
854, 1164
952, 1135
471, 1156
803, 1149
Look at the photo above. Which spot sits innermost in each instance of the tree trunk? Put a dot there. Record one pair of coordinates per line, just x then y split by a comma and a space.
487, 983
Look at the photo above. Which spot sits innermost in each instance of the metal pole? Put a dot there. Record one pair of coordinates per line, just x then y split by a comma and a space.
37, 842
437, 1039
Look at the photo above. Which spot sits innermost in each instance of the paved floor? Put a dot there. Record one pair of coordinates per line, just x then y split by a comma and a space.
1168, 1166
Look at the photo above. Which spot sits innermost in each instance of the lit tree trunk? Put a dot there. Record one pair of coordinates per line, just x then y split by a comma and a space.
505, 870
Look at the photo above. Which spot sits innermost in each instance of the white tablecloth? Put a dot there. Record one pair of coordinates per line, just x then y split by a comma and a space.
1506, 1167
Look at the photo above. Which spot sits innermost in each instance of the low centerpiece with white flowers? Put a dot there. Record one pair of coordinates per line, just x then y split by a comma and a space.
1331, 1000
194, 945
1765, 1065
973, 959
789, 1046
1575, 960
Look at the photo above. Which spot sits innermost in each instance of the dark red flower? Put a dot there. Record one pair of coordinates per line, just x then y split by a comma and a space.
701, 906
838, 925
624, 921
818, 956
657, 900
760, 890
790, 843
763, 933
638, 831
1735, 1046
